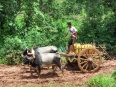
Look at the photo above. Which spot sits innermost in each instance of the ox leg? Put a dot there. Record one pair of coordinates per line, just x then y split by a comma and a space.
38, 70
31, 70
54, 69
57, 62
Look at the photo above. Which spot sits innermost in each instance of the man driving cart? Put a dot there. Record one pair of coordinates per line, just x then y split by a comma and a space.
73, 36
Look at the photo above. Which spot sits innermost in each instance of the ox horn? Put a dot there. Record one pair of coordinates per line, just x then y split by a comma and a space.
32, 53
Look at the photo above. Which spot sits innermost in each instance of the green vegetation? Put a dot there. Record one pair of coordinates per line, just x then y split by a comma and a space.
114, 75
103, 81
43, 22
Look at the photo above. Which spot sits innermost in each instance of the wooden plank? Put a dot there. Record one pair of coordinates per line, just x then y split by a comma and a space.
63, 54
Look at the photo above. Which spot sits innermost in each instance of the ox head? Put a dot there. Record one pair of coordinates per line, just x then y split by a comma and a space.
28, 56
28, 52
27, 60
25, 52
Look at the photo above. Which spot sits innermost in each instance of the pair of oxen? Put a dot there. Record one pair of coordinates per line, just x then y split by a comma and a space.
39, 57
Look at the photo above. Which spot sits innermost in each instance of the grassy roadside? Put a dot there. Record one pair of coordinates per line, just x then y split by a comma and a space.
103, 80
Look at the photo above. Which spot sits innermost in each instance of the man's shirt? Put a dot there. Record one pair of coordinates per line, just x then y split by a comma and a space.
72, 31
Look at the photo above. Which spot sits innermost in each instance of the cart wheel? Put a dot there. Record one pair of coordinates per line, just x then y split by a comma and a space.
89, 59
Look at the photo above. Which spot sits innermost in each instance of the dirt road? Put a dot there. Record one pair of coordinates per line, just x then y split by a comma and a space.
11, 76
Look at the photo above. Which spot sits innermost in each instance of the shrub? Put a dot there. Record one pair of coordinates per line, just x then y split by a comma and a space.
114, 75
11, 52
101, 81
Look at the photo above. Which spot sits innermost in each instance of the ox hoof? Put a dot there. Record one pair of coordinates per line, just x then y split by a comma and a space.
22, 64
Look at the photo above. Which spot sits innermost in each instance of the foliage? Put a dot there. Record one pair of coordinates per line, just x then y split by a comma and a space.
43, 22
10, 53
102, 81
114, 75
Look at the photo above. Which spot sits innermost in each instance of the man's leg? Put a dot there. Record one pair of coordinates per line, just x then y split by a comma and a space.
69, 44
73, 45
68, 50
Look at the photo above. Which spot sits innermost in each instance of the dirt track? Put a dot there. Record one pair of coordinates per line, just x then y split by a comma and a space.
16, 75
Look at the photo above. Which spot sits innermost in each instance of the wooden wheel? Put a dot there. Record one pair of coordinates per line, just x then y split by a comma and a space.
89, 59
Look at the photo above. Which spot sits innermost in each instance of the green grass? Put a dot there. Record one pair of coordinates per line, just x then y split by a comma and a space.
102, 81
114, 75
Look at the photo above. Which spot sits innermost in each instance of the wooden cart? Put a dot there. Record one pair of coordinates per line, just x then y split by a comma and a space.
88, 56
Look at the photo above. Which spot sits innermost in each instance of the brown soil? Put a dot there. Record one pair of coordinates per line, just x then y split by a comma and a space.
12, 76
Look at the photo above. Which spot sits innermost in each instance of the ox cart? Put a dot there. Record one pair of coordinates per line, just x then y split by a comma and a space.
87, 56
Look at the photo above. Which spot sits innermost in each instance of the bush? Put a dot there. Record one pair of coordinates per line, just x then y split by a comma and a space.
11, 52
114, 75
101, 81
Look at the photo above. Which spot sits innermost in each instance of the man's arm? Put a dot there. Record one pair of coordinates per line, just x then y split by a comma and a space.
65, 35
